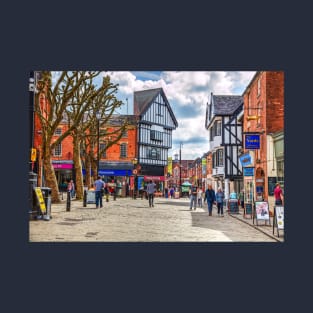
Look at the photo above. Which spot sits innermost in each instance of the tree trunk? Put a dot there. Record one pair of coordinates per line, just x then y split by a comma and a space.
94, 169
50, 178
88, 172
78, 169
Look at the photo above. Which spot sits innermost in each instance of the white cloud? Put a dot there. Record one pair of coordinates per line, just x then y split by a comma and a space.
187, 92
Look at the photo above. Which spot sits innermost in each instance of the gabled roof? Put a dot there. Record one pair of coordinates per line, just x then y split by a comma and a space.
225, 105
143, 99
222, 105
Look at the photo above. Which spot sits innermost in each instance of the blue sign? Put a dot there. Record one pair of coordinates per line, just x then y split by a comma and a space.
245, 160
248, 171
112, 172
252, 141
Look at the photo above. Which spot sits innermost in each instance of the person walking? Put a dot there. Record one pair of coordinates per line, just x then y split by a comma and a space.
151, 188
209, 196
193, 197
71, 188
278, 194
219, 201
172, 192
199, 197
242, 198
99, 187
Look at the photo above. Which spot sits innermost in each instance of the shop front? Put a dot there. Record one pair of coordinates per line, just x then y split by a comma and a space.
118, 175
63, 172
158, 180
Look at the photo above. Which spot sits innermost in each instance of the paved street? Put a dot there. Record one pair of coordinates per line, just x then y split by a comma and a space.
129, 220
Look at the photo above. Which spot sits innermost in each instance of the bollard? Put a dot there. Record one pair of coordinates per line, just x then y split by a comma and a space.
85, 199
107, 197
68, 201
114, 195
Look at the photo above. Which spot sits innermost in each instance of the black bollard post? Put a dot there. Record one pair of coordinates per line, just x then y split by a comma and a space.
85, 199
68, 201
114, 195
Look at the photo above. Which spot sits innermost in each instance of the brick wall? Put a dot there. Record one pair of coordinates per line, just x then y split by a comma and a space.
269, 106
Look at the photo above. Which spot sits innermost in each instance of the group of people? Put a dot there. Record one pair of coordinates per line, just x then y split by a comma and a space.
196, 196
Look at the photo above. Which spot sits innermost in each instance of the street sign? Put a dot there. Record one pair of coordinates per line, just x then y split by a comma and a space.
40, 200
33, 154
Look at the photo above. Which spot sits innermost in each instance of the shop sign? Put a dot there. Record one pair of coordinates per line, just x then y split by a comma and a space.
252, 141
248, 171
62, 166
154, 178
246, 159
261, 209
115, 172
279, 216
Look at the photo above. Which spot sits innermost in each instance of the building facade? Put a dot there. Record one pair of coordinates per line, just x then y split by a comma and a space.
225, 132
264, 121
156, 121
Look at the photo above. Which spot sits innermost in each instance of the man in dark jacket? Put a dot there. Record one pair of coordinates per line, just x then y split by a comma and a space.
210, 198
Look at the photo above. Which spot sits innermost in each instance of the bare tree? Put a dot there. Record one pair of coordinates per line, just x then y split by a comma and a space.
72, 97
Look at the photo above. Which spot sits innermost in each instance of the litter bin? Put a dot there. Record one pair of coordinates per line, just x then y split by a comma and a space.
32, 197
46, 192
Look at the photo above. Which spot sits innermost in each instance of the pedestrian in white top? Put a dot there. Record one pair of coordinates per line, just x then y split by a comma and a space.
199, 197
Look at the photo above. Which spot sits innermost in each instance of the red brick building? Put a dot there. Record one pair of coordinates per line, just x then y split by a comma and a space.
264, 118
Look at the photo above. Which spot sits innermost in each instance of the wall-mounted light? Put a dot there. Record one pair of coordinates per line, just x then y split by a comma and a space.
253, 117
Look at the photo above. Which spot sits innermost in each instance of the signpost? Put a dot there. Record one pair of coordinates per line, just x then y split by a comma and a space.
233, 206
40, 200
278, 219
247, 209
261, 212
91, 196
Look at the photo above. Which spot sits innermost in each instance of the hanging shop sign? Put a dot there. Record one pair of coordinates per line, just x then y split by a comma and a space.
252, 141
246, 159
248, 171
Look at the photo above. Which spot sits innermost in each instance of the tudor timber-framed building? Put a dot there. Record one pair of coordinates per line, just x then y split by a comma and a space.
156, 121
225, 141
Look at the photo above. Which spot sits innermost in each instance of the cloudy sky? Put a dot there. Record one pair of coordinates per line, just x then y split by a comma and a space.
188, 94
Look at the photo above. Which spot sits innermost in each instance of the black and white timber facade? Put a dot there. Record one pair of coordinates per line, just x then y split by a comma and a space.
225, 131
154, 133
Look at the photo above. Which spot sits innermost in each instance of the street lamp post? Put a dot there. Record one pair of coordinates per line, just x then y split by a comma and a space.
135, 178
98, 115
180, 169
